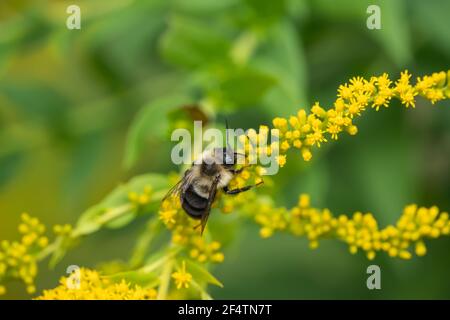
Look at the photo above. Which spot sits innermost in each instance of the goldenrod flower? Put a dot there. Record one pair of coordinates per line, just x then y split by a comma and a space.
62, 230
168, 211
168, 216
181, 277
18, 259
281, 160
353, 98
92, 286
139, 200
203, 252
361, 231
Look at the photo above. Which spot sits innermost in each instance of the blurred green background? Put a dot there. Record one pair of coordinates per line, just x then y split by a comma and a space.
80, 111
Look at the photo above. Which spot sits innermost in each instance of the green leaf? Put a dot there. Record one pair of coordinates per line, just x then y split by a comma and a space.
98, 216
144, 241
266, 12
204, 6
191, 43
155, 261
56, 257
119, 195
200, 273
63, 244
114, 211
243, 87
130, 58
267, 8
394, 34
87, 223
138, 277
285, 60
158, 259
150, 122
204, 295
347, 9
122, 221
117, 203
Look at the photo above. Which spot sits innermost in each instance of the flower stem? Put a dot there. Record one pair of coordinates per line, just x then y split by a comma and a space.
165, 280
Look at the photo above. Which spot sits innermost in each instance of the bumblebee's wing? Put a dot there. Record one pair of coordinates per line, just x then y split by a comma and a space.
182, 184
212, 195
174, 190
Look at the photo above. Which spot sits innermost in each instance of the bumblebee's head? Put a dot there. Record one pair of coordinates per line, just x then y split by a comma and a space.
223, 156
212, 160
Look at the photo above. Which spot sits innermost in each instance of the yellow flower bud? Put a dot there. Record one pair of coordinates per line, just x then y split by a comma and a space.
265, 232
421, 249
306, 154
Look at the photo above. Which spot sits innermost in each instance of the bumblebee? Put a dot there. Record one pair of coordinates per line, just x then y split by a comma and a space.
200, 183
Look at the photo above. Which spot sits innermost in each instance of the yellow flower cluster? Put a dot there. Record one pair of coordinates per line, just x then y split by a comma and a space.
360, 232
92, 286
140, 199
185, 233
169, 212
303, 131
255, 145
62, 230
18, 258
182, 277
203, 251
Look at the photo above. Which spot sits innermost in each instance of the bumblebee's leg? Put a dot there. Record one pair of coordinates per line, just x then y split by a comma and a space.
243, 189
237, 171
